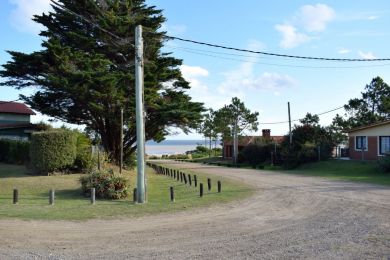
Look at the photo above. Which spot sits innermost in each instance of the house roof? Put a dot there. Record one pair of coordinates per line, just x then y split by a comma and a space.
15, 108
246, 140
368, 126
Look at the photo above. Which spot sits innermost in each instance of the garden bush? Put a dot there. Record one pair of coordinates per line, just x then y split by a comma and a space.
84, 160
13, 151
52, 151
107, 185
384, 163
255, 154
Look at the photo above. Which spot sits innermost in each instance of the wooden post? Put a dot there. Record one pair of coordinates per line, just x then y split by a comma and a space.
174, 174
185, 178
181, 177
172, 194
201, 190
51, 197
135, 195
16, 196
208, 184
93, 196
195, 181
189, 179
219, 186
177, 175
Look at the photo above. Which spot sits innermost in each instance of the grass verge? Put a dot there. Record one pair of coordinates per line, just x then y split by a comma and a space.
344, 170
70, 204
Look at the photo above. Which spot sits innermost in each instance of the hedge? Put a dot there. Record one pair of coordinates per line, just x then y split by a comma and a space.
13, 151
52, 151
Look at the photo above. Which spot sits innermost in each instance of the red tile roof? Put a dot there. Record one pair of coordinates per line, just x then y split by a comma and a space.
246, 140
15, 108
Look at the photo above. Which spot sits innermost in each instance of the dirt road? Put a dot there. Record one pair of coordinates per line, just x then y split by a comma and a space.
288, 217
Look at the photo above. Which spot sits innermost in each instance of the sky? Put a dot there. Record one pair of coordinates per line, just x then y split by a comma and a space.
335, 29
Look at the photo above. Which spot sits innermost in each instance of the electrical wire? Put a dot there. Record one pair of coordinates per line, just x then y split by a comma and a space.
284, 122
272, 64
270, 53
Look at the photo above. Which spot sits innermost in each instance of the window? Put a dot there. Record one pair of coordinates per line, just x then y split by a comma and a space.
361, 142
384, 144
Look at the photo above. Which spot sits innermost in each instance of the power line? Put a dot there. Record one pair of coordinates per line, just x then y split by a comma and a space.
284, 122
270, 53
199, 52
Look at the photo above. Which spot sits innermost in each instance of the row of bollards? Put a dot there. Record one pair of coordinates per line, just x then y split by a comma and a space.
182, 177
15, 198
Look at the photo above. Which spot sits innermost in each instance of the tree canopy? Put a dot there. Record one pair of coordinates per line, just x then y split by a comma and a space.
372, 107
235, 118
84, 73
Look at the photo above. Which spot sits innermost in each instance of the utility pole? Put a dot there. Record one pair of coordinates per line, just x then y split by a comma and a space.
139, 96
121, 155
289, 122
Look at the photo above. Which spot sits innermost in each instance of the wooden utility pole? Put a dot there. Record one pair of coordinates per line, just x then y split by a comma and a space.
121, 146
139, 95
289, 122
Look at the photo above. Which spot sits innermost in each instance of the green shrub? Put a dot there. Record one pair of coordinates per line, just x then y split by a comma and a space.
130, 161
255, 154
12, 151
107, 185
384, 163
84, 160
52, 151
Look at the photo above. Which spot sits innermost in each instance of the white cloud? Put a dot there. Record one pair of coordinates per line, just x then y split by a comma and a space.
239, 81
193, 71
290, 37
21, 16
372, 17
343, 51
174, 29
366, 55
314, 18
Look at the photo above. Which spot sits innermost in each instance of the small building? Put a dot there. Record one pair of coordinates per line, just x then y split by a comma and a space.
15, 121
247, 140
369, 142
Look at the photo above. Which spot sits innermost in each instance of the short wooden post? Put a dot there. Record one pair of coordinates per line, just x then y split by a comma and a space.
201, 190
208, 184
93, 196
219, 186
172, 194
174, 174
185, 178
135, 195
177, 175
16, 196
51, 197
189, 179
181, 177
195, 181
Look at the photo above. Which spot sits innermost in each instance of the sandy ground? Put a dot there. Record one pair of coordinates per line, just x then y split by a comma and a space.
288, 217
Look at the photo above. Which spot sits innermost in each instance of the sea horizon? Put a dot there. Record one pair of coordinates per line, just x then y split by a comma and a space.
170, 147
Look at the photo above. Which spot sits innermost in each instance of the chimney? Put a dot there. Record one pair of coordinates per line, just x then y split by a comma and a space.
266, 133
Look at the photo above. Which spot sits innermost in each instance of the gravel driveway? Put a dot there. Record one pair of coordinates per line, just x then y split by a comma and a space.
288, 217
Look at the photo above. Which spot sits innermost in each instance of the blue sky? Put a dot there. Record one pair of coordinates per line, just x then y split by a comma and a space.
338, 29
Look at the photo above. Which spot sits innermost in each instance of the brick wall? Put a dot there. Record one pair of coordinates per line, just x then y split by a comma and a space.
370, 154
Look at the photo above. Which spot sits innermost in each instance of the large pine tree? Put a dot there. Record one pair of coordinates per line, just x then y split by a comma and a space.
84, 73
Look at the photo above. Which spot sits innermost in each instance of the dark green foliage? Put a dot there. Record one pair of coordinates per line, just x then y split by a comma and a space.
255, 154
201, 149
84, 160
84, 75
304, 148
372, 107
15, 152
52, 151
384, 163
130, 161
107, 185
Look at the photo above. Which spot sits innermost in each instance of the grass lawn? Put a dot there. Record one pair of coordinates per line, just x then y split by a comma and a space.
345, 170
70, 204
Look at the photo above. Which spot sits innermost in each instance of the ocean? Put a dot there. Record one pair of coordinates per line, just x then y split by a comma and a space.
172, 146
